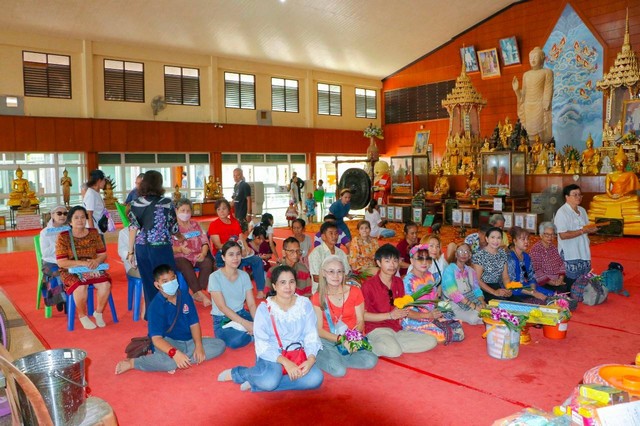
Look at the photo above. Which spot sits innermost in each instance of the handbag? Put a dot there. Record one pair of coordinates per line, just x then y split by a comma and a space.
141, 346
103, 223
293, 352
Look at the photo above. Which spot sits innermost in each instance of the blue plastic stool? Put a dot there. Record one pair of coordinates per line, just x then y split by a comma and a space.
134, 295
71, 308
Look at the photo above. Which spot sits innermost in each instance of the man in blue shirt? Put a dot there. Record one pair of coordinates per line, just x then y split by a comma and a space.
177, 341
133, 194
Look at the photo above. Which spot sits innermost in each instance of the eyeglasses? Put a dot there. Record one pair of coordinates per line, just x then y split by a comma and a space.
422, 258
294, 251
61, 213
463, 252
333, 272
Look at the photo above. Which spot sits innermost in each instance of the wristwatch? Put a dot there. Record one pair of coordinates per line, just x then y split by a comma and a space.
172, 352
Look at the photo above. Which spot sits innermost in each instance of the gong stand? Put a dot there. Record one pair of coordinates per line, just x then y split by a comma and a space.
357, 180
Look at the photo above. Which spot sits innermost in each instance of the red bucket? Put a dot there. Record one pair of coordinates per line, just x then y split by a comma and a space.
557, 332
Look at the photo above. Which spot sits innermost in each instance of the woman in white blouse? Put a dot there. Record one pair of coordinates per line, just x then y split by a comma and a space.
295, 321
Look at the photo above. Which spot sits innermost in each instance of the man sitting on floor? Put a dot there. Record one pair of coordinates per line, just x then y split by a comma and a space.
329, 232
174, 329
342, 237
382, 320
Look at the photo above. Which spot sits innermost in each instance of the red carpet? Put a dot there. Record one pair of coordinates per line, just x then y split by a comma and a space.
454, 385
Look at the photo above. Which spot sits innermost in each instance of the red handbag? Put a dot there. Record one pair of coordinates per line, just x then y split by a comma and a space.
297, 355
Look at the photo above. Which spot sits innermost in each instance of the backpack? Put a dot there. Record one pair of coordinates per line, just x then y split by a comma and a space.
613, 279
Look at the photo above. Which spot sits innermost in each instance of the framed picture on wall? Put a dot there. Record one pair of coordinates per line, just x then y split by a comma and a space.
421, 142
468, 55
509, 50
631, 116
488, 61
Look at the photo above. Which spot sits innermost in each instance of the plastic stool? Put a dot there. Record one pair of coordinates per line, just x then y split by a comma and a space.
71, 308
134, 295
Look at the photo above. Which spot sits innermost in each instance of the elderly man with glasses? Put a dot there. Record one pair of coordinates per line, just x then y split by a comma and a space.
547, 263
573, 228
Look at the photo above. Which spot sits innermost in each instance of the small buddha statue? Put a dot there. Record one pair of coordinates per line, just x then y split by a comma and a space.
66, 184
109, 199
440, 188
524, 146
486, 147
557, 166
536, 149
177, 195
589, 163
541, 164
19, 190
209, 189
217, 189
473, 187
620, 200
453, 162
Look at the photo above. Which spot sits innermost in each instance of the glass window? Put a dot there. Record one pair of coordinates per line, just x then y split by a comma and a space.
329, 99
46, 75
123, 81
182, 85
366, 103
284, 95
239, 90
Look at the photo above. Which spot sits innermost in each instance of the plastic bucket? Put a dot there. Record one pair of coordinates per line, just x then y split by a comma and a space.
59, 376
558, 331
502, 343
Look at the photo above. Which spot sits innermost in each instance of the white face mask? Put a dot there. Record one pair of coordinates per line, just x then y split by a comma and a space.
184, 216
171, 287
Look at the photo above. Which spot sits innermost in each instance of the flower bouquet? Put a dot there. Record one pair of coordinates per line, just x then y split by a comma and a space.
372, 131
412, 299
352, 341
512, 321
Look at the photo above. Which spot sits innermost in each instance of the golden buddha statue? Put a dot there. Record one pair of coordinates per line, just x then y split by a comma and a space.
543, 159
109, 199
536, 149
620, 200
486, 147
441, 187
473, 187
212, 190
177, 195
66, 184
20, 190
557, 166
590, 159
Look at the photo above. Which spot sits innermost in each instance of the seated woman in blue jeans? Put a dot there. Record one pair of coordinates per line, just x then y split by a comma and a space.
230, 288
295, 321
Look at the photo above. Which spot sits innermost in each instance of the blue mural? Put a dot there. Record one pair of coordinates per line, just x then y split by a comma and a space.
576, 58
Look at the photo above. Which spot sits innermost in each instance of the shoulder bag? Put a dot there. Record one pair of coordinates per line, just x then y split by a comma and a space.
141, 346
293, 352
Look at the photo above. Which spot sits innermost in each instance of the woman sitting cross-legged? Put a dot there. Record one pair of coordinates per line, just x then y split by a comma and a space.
460, 286
339, 308
227, 228
285, 319
230, 288
83, 247
362, 249
382, 318
490, 264
520, 269
192, 253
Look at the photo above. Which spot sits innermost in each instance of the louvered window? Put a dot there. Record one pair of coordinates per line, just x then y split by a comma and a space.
239, 90
47, 76
366, 103
329, 99
419, 103
284, 95
182, 85
123, 81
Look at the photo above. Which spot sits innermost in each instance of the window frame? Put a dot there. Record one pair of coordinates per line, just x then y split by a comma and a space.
126, 95
285, 89
48, 66
367, 100
239, 84
169, 97
330, 98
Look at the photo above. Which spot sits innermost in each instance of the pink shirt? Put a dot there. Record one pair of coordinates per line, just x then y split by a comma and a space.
195, 238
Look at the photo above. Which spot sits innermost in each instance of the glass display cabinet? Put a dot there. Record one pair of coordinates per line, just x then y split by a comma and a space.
409, 174
503, 174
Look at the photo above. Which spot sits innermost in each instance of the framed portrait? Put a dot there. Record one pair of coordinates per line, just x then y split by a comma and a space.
509, 51
468, 56
631, 116
421, 143
488, 62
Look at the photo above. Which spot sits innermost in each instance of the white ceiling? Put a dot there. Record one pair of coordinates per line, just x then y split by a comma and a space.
369, 38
